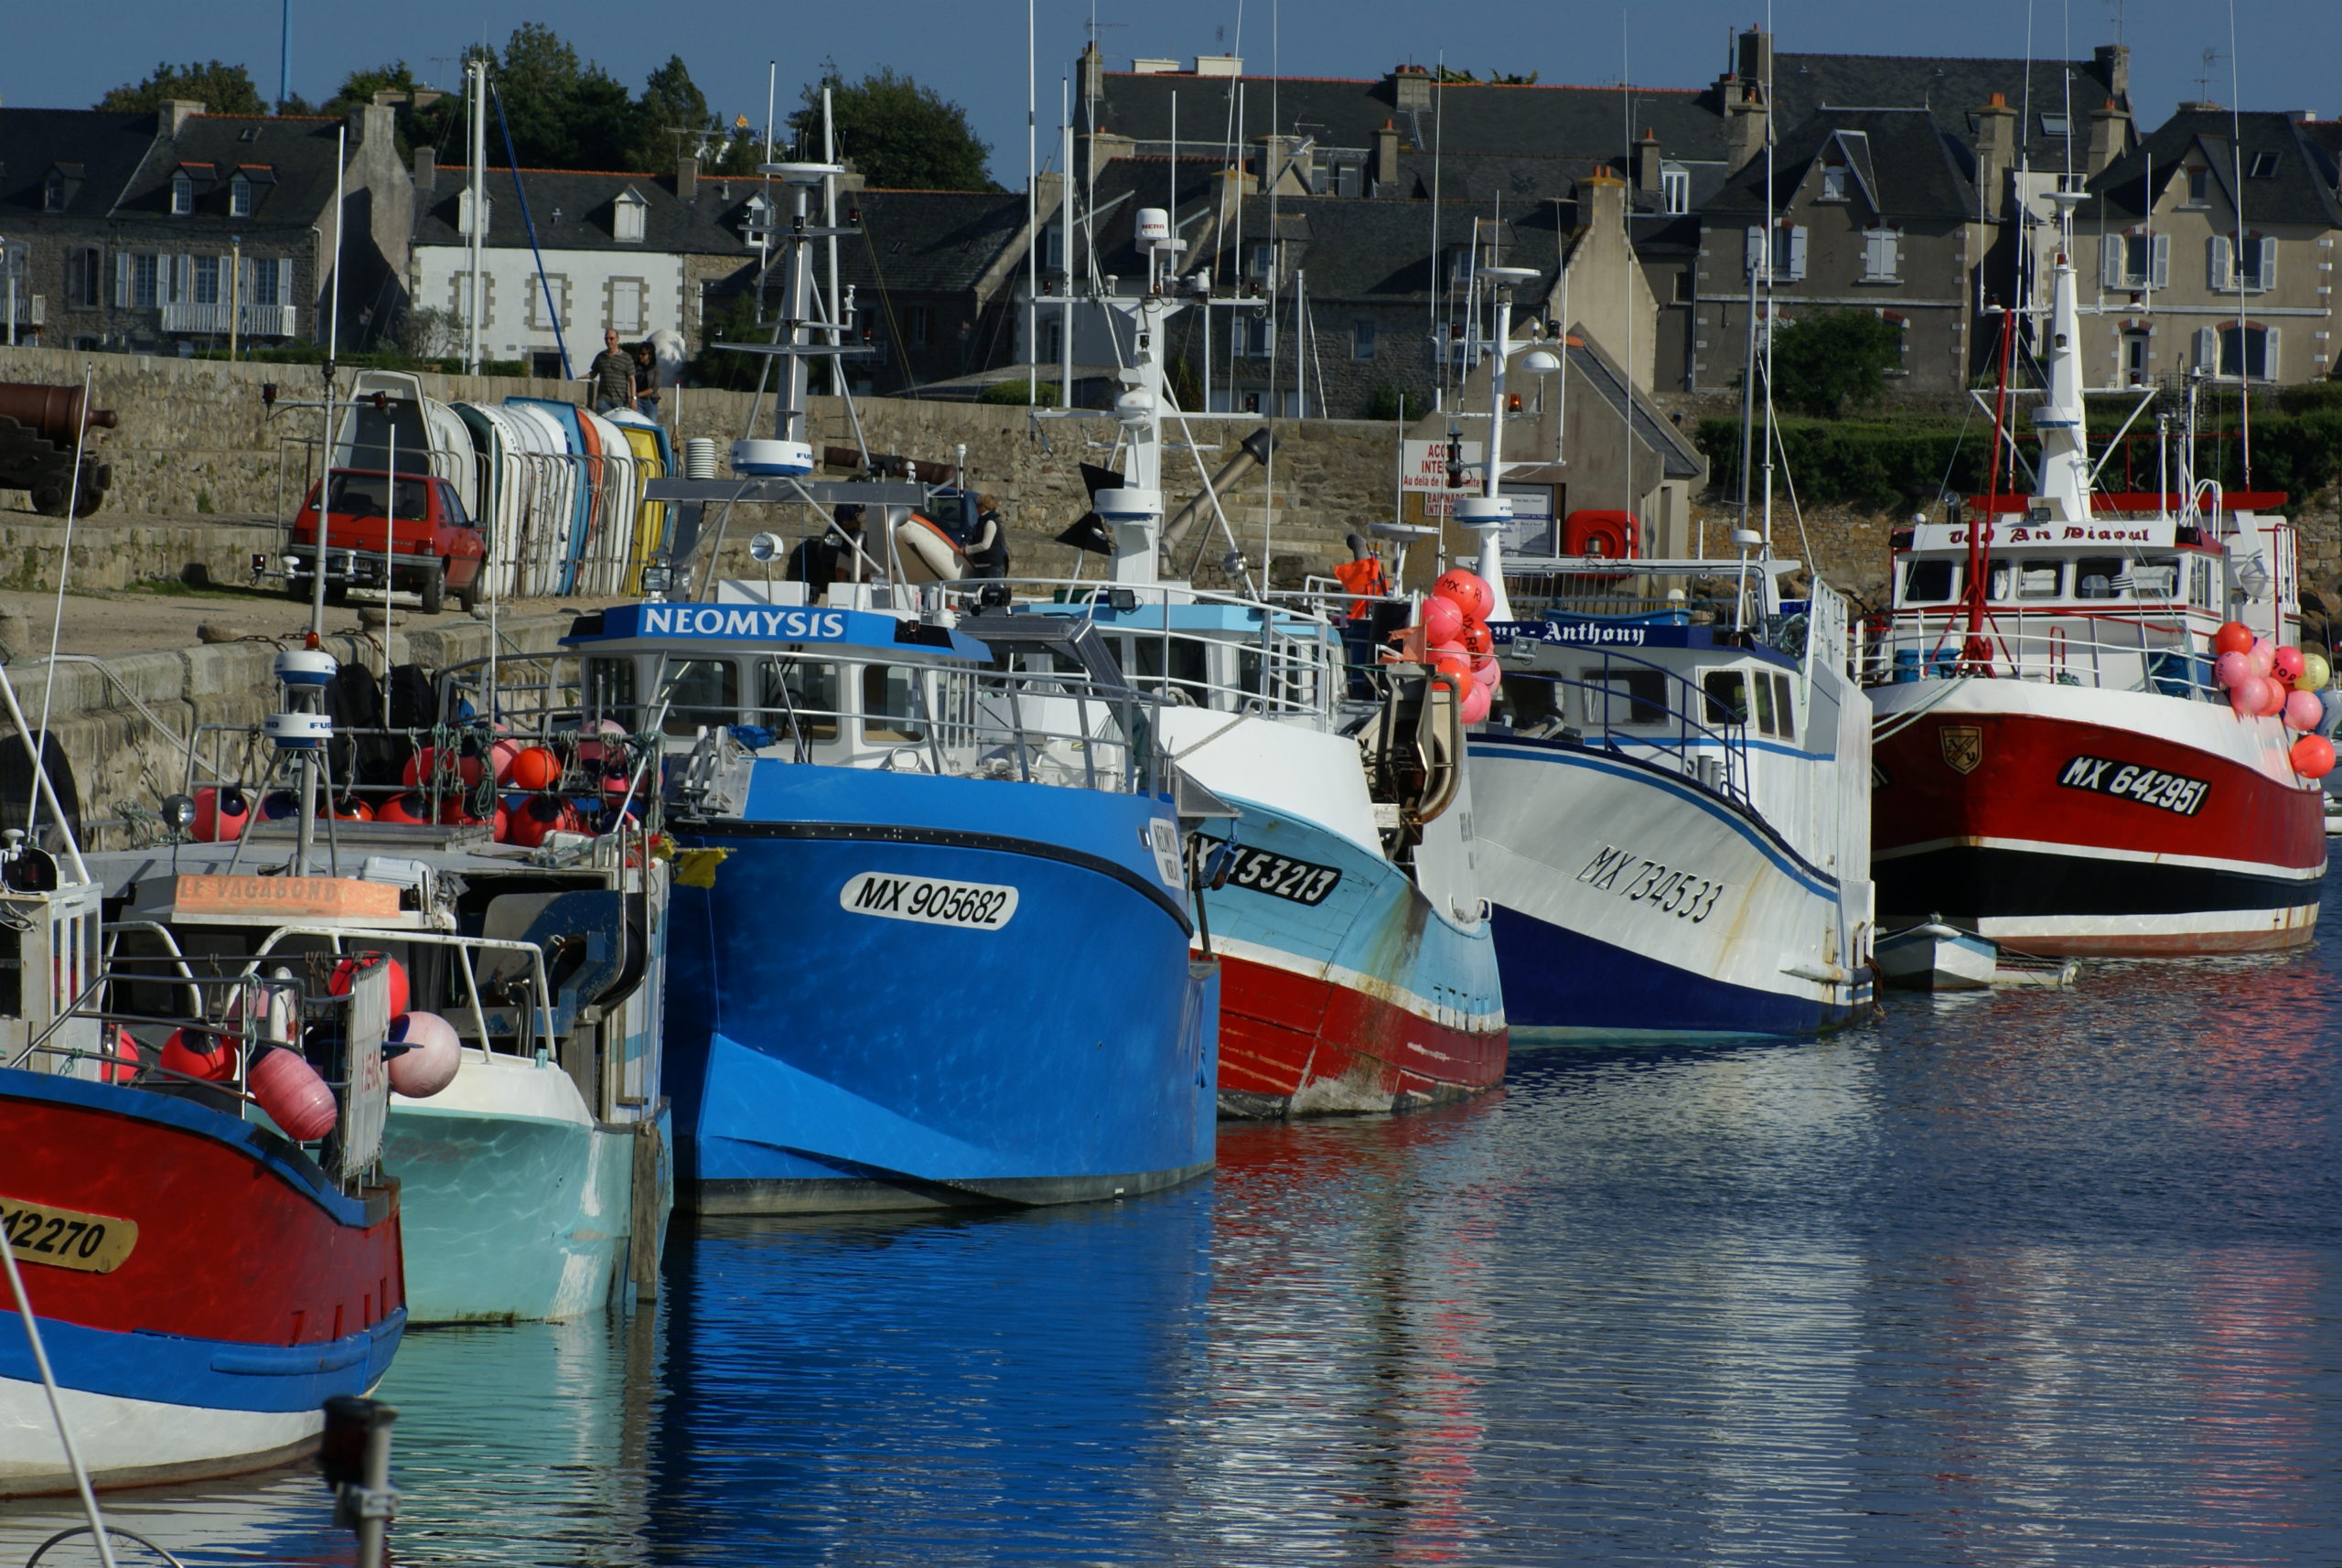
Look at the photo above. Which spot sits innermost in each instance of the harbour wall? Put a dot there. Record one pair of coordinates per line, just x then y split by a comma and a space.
195, 440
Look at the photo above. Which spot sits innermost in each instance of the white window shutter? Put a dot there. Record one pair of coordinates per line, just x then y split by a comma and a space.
2109, 261
1797, 255
2268, 273
122, 280
2159, 261
2216, 265
1755, 265
2208, 349
2268, 355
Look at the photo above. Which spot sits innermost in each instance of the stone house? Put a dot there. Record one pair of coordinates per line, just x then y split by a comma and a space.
2212, 245
156, 233
1869, 210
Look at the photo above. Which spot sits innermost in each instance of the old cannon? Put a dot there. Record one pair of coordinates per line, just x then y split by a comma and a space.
38, 427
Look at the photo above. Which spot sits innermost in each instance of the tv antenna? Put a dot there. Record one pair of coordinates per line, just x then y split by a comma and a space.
2204, 82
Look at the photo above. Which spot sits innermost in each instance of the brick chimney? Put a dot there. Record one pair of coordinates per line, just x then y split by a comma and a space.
687, 177
2109, 135
426, 173
178, 111
1647, 163
1411, 86
1995, 152
1386, 159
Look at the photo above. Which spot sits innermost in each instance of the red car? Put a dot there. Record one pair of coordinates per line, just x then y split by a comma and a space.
432, 548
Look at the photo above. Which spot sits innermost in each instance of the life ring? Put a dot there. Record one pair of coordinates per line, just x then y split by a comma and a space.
930, 554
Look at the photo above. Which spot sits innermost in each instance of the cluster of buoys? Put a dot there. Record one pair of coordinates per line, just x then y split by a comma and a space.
1456, 640
2264, 681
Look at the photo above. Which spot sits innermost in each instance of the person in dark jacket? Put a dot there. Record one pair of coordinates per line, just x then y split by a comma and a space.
833, 556
987, 547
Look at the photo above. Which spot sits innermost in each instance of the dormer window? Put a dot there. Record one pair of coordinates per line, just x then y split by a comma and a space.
626, 218
2199, 185
756, 220
52, 194
2264, 167
464, 213
240, 198
182, 195
1834, 182
1674, 189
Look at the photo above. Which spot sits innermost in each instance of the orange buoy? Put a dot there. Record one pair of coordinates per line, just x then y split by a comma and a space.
533, 768
345, 973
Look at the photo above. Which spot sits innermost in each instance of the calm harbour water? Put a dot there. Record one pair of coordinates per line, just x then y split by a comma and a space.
2029, 1278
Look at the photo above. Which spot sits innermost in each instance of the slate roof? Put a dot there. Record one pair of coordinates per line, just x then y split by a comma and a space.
106, 149
2301, 188
575, 211
929, 241
1903, 163
297, 156
1583, 122
1804, 84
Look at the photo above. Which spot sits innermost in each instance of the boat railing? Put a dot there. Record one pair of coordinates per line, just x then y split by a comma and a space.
1288, 661
1711, 749
2145, 651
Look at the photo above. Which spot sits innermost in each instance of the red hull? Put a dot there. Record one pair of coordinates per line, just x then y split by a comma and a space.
230, 1247
1289, 1042
2168, 849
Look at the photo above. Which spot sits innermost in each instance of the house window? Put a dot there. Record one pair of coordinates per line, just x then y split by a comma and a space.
1788, 253
1881, 250
1361, 339
204, 287
1052, 340
756, 220
627, 217
549, 301
1264, 261
2199, 186
267, 281
2135, 357
2056, 125
2136, 261
1674, 189
1684, 294
1834, 182
918, 325
81, 274
240, 198
2256, 263
2248, 351
626, 304
1251, 335
52, 194
459, 303
182, 195
144, 282
2264, 167
1349, 180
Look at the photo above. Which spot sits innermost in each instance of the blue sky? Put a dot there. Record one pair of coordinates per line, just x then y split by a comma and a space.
974, 51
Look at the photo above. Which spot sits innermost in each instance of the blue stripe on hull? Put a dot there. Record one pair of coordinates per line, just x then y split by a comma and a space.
1563, 983
205, 1374
1069, 1054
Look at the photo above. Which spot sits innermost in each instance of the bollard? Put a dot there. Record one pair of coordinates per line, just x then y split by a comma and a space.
355, 1458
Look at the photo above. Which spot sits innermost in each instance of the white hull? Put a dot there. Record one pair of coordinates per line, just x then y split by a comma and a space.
132, 1441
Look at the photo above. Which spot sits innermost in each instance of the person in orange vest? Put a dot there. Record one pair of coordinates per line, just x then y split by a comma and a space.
1361, 576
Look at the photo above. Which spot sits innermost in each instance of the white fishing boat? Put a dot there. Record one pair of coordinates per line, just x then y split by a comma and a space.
1932, 956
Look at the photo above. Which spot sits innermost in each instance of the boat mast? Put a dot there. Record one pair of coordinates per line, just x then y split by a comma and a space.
1488, 513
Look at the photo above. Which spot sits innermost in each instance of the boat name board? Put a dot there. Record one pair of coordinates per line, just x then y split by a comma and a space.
1278, 876
1954, 535
67, 1238
340, 896
1574, 634
2148, 786
734, 621
1686, 895
971, 906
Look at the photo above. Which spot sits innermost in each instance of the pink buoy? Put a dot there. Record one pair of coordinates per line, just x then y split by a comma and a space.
2249, 695
2263, 655
499, 759
2230, 668
1477, 700
430, 1056
295, 1098
1443, 620
2312, 757
2304, 711
2272, 701
1486, 672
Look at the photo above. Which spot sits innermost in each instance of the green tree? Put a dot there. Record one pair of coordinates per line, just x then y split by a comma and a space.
902, 136
669, 118
560, 113
221, 88
1824, 364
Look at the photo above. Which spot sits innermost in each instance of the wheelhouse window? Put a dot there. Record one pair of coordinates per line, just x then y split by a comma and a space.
1727, 696
890, 705
1928, 582
1784, 706
2097, 577
1626, 697
702, 692
2040, 579
2153, 580
800, 692
1143, 659
607, 690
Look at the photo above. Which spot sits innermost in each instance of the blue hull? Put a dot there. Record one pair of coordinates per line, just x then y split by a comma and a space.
821, 1057
1560, 983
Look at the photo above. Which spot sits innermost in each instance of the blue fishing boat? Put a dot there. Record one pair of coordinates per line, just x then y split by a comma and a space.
931, 928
